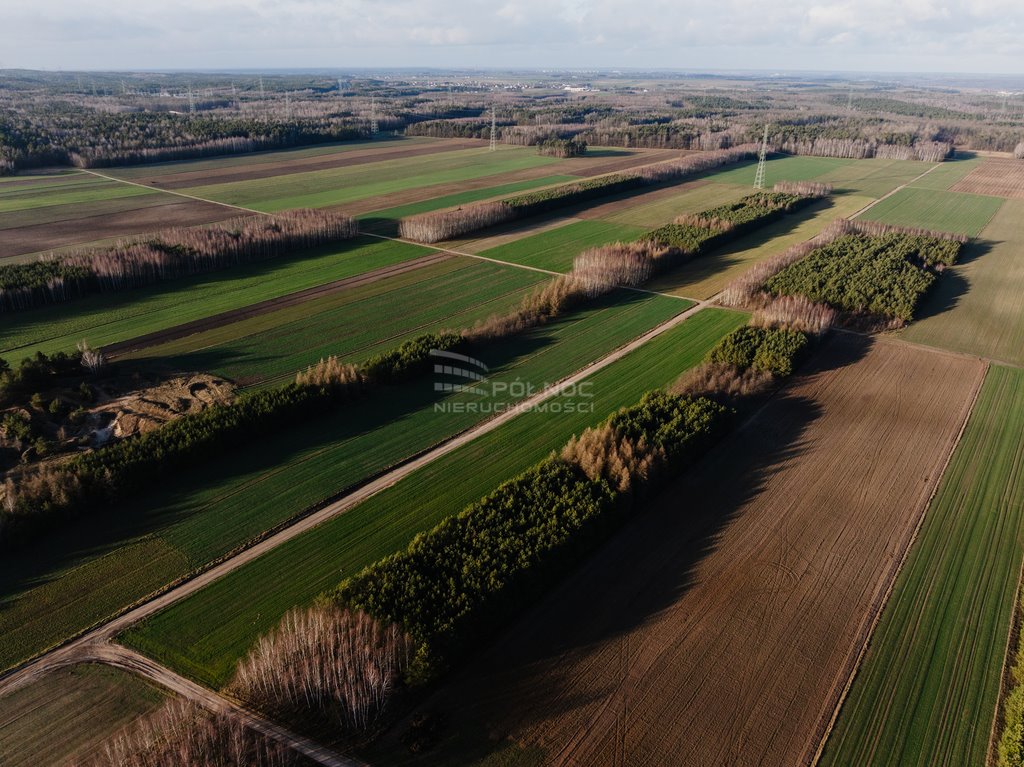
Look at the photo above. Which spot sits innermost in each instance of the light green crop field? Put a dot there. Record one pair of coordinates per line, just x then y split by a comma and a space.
556, 248
93, 567
68, 713
703, 277
459, 198
925, 695
337, 186
948, 173
779, 168
66, 190
656, 208
934, 209
204, 635
249, 159
108, 318
352, 324
875, 178
978, 305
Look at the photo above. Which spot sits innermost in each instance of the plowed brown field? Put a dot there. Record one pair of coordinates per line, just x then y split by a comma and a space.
997, 177
143, 218
721, 626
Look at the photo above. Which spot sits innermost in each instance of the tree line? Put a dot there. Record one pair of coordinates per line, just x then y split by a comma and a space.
167, 255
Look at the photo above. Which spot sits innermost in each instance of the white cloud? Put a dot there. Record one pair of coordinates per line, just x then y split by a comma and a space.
971, 35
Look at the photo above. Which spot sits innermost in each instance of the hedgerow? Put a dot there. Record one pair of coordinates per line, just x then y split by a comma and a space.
463, 579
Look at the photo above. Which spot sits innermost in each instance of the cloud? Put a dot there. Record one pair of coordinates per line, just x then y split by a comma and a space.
969, 35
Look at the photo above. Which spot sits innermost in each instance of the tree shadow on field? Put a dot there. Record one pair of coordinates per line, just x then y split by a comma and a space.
951, 285
542, 668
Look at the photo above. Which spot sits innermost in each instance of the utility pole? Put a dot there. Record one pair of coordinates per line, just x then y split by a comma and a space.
494, 130
762, 159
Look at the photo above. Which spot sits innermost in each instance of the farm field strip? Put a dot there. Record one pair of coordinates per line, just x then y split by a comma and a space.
660, 206
204, 635
95, 567
85, 192
383, 152
352, 324
85, 704
109, 318
1001, 177
272, 156
978, 305
948, 174
231, 325
927, 689
732, 611
343, 185
555, 249
934, 209
877, 178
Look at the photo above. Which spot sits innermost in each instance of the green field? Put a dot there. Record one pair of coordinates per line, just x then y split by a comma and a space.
926, 693
875, 178
933, 209
948, 173
703, 277
780, 168
337, 186
82, 188
978, 305
108, 318
353, 324
204, 635
92, 567
385, 218
69, 713
657, 208
555, 249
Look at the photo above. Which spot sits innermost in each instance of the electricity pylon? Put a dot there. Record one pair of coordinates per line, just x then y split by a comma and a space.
374, 125
494, 130
762, 158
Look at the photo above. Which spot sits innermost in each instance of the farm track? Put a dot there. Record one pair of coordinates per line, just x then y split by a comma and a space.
802, 564
265, 307
85, 645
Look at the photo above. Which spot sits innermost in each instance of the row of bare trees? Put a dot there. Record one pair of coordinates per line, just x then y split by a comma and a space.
803, 188
328, 664
183, 735
445, 225
859, 149
169, 254
746, 290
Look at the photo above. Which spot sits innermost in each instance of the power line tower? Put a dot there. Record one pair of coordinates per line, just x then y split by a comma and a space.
849, 100
191, 101
374, 124
762, 159
288, 106
494, 130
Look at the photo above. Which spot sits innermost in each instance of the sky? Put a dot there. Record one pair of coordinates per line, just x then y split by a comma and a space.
971, 36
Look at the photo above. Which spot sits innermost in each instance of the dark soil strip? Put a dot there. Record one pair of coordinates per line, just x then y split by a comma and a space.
265, 307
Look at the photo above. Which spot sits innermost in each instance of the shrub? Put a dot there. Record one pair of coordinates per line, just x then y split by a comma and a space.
1018, 151
723, 382
338, 665
795, 313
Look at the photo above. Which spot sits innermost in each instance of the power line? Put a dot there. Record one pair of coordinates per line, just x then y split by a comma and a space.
762, 159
